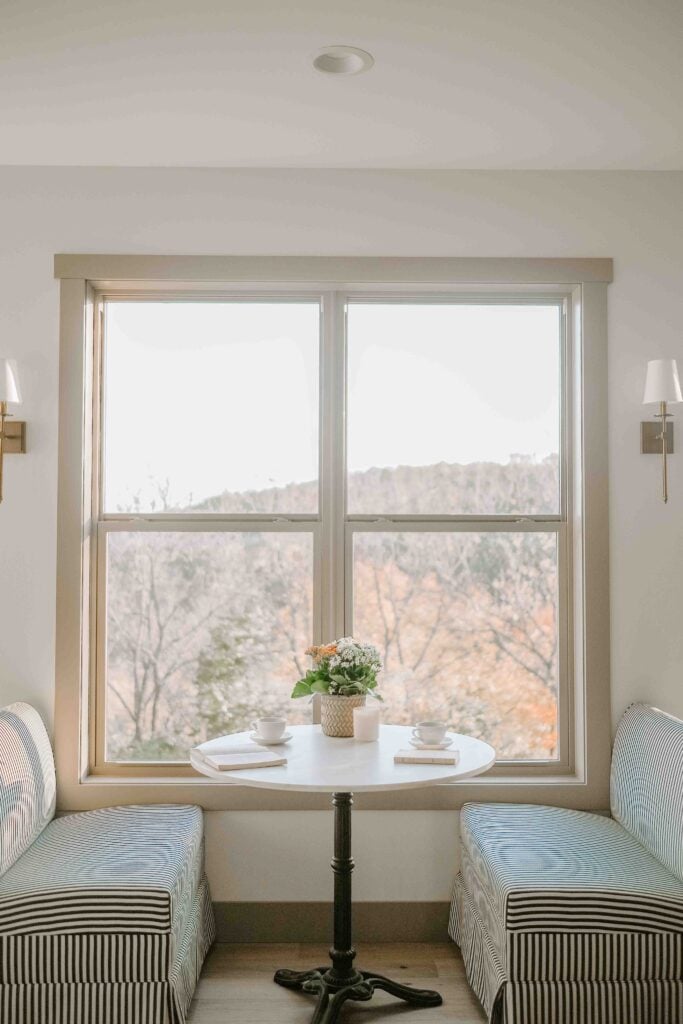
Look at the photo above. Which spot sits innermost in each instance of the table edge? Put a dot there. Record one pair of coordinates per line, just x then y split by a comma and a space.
221, 780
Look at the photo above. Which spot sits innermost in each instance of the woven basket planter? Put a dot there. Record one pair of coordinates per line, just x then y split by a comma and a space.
337, 713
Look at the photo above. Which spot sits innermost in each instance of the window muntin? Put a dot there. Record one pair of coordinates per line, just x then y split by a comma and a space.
333, 589
211, 406
453, 408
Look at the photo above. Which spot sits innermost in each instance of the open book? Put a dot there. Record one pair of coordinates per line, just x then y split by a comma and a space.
226, 757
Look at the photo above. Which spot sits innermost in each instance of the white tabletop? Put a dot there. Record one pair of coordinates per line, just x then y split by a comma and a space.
325, 764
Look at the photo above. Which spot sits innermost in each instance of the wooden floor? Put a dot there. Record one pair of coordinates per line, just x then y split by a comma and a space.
237, 985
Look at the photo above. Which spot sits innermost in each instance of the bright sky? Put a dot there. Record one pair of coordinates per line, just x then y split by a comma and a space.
217, 396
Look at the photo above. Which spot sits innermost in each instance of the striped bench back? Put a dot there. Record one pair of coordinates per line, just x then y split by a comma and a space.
646, 784
27, 781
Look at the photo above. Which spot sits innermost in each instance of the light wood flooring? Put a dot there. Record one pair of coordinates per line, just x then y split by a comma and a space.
237, 985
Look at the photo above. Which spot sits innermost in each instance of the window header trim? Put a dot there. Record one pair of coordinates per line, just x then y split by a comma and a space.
400, 270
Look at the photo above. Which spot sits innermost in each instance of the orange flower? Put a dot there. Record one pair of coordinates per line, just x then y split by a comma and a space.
324, 651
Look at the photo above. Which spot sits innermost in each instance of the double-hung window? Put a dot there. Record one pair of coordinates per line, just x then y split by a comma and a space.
273, 470
257, 455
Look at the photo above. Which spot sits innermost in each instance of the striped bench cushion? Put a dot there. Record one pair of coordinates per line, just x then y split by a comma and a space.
646, 783
55, 994
116, 870
548, 869
49, 959
27, 781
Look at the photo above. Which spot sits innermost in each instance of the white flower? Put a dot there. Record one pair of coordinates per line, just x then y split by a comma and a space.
353, 654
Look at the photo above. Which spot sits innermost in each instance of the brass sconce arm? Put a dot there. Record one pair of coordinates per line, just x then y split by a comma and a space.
663, 439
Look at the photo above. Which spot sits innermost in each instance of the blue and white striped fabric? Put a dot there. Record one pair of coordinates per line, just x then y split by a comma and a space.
119, 869
565, 916
114, 898
106, 916
646, 784
27, 781
551, 869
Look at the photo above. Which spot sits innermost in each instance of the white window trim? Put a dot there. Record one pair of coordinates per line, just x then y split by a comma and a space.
581, 777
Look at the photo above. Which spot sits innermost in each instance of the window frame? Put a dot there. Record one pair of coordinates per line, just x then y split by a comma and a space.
332, 528
337, 559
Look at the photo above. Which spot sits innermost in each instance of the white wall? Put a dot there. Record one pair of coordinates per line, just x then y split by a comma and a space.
636, 218
285, 855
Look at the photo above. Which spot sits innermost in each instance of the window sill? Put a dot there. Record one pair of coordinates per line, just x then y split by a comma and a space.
492, 780
95, 791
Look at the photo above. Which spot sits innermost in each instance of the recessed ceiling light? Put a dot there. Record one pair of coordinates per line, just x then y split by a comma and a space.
343, 60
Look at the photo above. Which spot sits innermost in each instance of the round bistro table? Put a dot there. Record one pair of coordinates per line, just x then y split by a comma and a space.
342, 767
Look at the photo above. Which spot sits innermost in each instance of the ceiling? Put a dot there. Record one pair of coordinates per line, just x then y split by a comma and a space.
499, 84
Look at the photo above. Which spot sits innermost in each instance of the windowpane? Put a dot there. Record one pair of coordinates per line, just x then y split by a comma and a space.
453, 409
211, 406
467, 627
204, 632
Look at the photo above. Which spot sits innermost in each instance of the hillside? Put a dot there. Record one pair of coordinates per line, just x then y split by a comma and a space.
519, 486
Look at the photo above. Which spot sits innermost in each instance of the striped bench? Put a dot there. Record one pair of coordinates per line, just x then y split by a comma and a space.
105, 916
566, 917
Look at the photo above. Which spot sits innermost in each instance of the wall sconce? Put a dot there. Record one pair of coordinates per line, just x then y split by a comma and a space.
661, 386
12, 435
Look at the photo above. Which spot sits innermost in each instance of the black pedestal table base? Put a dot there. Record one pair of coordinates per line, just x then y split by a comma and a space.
331, 997
341, 982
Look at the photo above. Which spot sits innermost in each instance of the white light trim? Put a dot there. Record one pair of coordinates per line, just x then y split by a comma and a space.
342, 60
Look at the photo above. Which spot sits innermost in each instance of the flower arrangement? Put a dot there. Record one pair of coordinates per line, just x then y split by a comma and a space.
345, 668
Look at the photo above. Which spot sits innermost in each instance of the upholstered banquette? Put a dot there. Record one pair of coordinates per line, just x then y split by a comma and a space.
566, 917
105, 916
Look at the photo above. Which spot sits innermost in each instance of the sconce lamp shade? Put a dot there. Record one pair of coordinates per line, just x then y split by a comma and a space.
662, 383
9, 382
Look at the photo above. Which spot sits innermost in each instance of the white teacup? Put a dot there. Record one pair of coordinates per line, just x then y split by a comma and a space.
430, 732
269, 729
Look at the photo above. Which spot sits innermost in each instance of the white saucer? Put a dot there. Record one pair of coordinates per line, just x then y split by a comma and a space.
444, 745
285, 738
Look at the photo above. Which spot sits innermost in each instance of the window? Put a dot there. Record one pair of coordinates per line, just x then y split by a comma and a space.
273, 471
209, 443
307, 447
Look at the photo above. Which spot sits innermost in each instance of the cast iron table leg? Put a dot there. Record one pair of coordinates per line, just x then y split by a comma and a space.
342, 981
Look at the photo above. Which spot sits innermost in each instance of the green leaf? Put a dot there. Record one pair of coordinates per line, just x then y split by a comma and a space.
302, 689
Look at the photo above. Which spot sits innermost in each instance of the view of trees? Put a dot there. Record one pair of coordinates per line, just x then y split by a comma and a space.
205, 630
